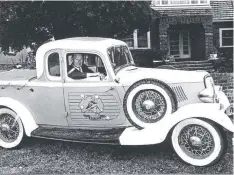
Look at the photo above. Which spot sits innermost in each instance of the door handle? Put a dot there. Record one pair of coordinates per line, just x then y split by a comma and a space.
66, 114
111, 89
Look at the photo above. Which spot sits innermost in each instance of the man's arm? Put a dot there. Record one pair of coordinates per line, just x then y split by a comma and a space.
77, 75
93, 74
70, 71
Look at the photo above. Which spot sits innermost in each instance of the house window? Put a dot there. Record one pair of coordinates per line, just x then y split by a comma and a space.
179, 44
226, 37
138, 40
164, 2
129, 41
179, 2
11, 51
142, 40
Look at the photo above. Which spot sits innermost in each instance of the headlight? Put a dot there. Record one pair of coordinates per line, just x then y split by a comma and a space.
208, 94
209, 82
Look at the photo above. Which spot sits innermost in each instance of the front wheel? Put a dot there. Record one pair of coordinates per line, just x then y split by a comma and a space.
197, 142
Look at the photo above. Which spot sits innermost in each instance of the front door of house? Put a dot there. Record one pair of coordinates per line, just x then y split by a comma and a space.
179, 44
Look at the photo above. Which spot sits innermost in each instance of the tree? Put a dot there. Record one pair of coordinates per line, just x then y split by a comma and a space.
23, 23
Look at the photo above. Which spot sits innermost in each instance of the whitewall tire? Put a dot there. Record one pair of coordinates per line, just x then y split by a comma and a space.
147, 102
197, 142
11, 129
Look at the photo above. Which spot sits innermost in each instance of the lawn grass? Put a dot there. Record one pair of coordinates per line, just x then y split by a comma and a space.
39, 156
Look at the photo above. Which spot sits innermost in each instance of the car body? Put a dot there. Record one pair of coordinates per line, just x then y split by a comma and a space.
115, 103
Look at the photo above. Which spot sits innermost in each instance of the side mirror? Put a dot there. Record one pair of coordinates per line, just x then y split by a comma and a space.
117, 79
101, 77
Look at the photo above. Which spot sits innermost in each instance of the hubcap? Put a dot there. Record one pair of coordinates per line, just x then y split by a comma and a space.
196, 141
149, 106
5, 127
9, 128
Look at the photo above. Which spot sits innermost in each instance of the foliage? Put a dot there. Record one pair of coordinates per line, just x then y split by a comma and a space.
23, 23
225, 62
145, 57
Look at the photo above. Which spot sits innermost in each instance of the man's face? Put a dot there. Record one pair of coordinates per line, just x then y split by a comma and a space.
78, 60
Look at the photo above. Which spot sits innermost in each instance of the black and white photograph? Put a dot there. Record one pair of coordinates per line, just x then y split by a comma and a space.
116, 87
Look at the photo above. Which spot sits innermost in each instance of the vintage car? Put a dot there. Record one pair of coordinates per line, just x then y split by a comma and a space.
89, 90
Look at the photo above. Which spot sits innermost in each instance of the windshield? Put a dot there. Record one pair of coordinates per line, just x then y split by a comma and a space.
120, 57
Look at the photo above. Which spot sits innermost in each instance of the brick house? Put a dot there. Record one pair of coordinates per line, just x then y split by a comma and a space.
187, 29
223, 24
191, 29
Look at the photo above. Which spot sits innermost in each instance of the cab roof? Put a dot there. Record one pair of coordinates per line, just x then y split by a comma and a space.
77, 43
81, 43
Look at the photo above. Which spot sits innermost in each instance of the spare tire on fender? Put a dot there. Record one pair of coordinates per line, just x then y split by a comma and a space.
148, 101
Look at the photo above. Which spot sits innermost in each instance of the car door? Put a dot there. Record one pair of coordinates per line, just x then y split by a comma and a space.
92, 101
46, 99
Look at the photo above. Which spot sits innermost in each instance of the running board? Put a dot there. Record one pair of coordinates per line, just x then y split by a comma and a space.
107, 136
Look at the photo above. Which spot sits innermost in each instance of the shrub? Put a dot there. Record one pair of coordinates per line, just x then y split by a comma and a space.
145, 57
225, 62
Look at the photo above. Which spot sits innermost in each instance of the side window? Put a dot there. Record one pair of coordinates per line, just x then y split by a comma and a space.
84, 65
54, 64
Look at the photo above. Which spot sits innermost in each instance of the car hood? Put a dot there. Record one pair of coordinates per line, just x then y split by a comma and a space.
132, 74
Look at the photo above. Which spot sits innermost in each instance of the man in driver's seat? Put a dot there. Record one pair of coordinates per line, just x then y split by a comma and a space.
78, 70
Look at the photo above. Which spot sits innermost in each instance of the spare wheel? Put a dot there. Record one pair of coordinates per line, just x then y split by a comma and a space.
148, 101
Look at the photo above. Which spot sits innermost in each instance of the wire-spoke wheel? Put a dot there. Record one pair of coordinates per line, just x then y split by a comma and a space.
148, 101
11, 129
149, 105
197, 142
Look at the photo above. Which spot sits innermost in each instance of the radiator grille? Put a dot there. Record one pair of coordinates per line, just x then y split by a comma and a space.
181, 96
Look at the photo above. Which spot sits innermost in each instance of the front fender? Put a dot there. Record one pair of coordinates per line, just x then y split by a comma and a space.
157, 133
24, 114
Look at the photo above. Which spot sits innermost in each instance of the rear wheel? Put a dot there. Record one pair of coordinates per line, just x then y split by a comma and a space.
11, 129
197, 142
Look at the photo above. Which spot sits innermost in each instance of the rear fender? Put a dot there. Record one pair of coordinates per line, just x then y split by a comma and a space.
157, 133
22, 112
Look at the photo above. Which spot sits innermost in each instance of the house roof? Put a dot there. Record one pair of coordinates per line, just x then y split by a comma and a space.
222, 10
172, 12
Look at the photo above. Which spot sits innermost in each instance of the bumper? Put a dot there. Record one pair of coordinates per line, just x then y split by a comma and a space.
222, 99
224, 103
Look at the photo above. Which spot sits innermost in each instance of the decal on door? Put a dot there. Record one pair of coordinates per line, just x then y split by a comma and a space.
92, 106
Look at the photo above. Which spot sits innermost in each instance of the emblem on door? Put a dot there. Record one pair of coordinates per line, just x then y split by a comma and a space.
92, 107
